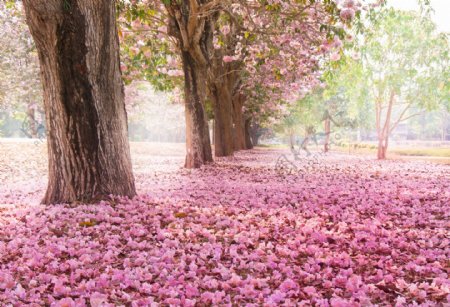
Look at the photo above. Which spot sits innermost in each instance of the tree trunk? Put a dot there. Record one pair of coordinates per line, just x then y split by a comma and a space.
326, 146
291, 139
238, 120
255, 139
255, 134
382, 148
223, 120
384, 132
78, 48
444, 125
198, 144
248, 139
31, 113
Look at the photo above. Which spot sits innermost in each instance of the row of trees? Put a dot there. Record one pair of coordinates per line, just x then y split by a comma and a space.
241, 59
231, 55
396, 71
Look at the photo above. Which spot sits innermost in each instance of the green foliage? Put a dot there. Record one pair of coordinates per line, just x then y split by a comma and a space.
146, 52
403, 53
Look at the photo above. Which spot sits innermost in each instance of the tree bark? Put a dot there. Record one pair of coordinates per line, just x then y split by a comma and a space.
223, 119
198, 144
248, 139
238, 121
191, 23
78, 48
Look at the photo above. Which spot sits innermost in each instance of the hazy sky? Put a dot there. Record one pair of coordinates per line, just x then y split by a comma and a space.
441, 15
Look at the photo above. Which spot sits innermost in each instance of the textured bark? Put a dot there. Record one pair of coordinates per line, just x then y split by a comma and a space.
78, 48
198, 145
238, 121
248, 139
223, 119
191, 23
224, 80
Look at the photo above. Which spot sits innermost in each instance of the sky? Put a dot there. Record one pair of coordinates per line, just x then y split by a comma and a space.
441, 15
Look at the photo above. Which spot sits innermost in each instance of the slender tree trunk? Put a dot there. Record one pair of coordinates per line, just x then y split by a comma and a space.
31, 113
327, 134
384, 132
198, 144
444, 125
238, 120
291, 139
223, 120
248, 139
78, 48
382, 148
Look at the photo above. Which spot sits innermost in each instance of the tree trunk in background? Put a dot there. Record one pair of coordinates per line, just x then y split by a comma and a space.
255, 134
291, 139
444, 125
192, 23
255, 139
384, 131
223, 119
198, 144
327, 128
78, 48
382, 148
248, 139
31, 113
238, 120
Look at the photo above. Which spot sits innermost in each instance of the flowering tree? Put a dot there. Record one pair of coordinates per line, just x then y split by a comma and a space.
238, 47
404, 63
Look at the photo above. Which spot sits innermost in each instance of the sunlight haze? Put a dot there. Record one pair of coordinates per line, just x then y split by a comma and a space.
440, 15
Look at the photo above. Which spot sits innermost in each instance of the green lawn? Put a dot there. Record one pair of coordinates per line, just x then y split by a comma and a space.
430, 152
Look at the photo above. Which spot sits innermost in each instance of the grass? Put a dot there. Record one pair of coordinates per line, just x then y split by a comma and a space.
430, 152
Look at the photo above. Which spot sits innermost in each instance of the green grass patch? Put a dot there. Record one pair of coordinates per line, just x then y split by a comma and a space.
430, 152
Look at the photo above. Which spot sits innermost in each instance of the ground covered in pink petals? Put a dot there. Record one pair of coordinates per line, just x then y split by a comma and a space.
333, 231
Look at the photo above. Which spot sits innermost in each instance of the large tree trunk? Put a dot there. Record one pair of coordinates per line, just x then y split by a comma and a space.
248, 139
238, 121
198, 144
78, 48
326, 145
223, 120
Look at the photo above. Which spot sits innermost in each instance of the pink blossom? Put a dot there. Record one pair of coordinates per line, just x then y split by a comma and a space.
347, 14
288, 285
98, 299
228, 59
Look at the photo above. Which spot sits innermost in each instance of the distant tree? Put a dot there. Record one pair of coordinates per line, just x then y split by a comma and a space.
405, 68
